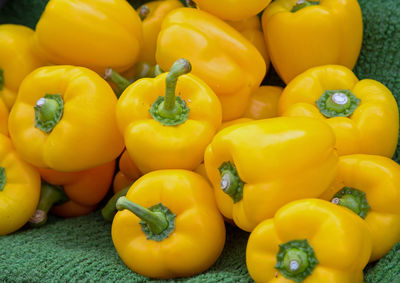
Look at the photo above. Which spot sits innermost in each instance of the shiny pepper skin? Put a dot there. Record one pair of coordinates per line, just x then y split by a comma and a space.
263, 103
249, 165
329, 32
127, 174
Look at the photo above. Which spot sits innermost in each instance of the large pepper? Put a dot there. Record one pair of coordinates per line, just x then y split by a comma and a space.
19, 188
17, 60
311, 241
90, 33
64, 119
168, 225
152, 15
363, 114
219, 54
301, 34
258, 166
127, 174
251, 29
264, 102
369, 185
72, 194
170, 132
232, 10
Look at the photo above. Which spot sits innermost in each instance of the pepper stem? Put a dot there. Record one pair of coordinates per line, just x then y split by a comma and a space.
121, 82
190, 4
157, 70
353, 199
3, 178
231, 183
1, 79
49, 195
303, 4
171, 110
337, 103
48, 112
110, 209
144, 11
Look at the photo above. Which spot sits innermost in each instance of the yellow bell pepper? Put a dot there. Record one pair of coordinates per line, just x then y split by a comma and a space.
251, 29
310, 241
17, 60
257, 167
64, 119
127, 174
232, 10
3, 118
168, 225
234, 122
219, 54
152, 15
19, 188
90, 33
369, 186
363, 114
170, 132
301, 34
263, 103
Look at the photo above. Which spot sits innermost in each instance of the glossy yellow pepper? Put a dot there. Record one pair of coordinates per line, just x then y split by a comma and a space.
304, 34
219, 54
363, 114
310, 241
251, 29
90, 33
258, 166
369, 185
232, 10
263, 103
152, 15
17, 60
3, 118
178, 230
234, 122
19, 188
170, 132
64, 119
127, 174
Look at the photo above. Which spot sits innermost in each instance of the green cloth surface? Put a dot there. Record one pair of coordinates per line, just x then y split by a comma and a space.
81, 249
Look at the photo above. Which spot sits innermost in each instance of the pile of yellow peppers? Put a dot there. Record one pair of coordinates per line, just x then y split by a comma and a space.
165, 105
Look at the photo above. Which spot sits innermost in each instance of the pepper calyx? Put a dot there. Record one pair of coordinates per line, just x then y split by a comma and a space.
301, 4
231, 183
337, 103
48, 112
353, 199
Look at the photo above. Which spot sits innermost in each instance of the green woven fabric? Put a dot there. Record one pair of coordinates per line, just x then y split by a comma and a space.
81, 249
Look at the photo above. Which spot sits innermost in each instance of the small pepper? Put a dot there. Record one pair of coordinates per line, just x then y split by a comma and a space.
127, 174
90, 33
363, 114
301, 34
228, 63
19, 188
259, 166
309, 240
72, 194
369, 185
232, 10
168, 225
168, 132
17, 60
263, 103
64, 119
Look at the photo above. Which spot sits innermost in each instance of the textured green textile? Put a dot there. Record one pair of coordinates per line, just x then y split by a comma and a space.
81, 249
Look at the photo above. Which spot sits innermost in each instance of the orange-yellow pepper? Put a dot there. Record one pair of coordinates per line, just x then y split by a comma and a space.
251, 29
263, 103
17, 60
168, 225
369, 185
304, 34
363, 114
19, 188
232, 10
170, 132
71, 194
310, 241
127, 174
64, 119
90, 33
152, 15
219, 54
258, 166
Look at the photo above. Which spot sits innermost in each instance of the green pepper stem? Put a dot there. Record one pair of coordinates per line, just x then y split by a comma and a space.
144, 11
110, 209
157, 70
353, 199
231, 183
1, 79
156, 221
121, 82
49, 196
190, 4
47, 108
301, 4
